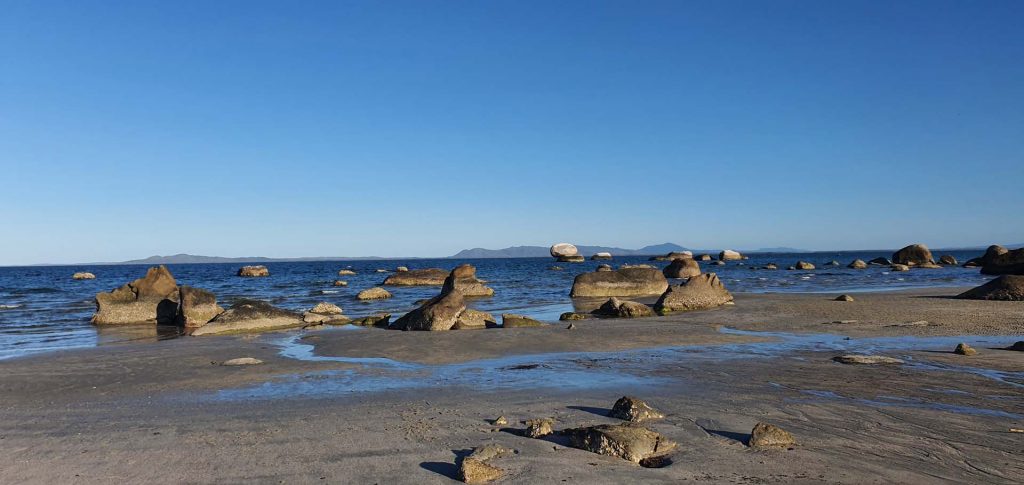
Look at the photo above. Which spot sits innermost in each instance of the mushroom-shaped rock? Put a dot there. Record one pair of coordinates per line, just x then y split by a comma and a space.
803, 265
375, 293
632, 281
250, 316
563, 249
463, 278
1010, 262
698, 293
624, 309
857, 264
766, 435
83, 276
729, 255
512, 320
439, 313
417, 277
1005, 287
627, 441
196, 307
150, 299
913, 255
682, 268
634, 409
253, 271
601, 256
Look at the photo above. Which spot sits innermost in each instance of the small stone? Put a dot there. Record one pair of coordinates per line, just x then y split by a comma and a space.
567, 316
964, 349
500, 421
572, 326
346, 272
844, 298
242, 361
633, 409
538, 428
472, 470
340, 283
767, 435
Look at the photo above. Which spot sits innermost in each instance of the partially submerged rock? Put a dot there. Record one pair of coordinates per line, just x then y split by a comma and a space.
964, 349
196, 307
417, 277
83, 276
633, 409
623, 282
571, 259
340, 283
382, 320
866, 359
150, 299
629, 442
913, 255
463, 278
899, 268
676, 255
803, 266
682, 268
948, 260
729, 255
766, 435
250, 316
857, 264
512, 320
253, 271
1005, 287
698, 293
345, 272
538, 428
624, 309
375, 293
880, 262
601, 256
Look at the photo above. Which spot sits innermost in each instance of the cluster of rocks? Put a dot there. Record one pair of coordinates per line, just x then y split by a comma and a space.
448, 310
154, 299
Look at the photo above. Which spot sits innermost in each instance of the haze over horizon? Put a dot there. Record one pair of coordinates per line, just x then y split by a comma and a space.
407, 129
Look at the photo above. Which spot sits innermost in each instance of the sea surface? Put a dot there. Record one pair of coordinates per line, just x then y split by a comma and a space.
42, 309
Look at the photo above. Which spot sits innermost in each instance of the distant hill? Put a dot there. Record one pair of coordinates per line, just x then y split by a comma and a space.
543, 251
194, 259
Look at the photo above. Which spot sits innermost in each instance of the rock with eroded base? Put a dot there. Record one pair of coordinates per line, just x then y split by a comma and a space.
627, 441
150, 299
250, 316
632, 281
633, 409
698, 293
766, 435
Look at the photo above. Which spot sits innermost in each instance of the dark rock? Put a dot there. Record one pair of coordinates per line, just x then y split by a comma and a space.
437, 314
880, 262
1011, 263
844, 298
948, 260
913, 255
634, 409
1017, 346
150, 299
624, 309
1005, 287
571, 259
604, 267
698, 293
623, 282
380, 321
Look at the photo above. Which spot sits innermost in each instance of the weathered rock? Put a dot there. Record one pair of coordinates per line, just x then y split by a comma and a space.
866, 359
325, 313
241, 361
844, 298
601, 256
375, 293
1010, 262
250, 316
474, 471
880, 262
512, 320
698, 293
631, 266
771, 266
604, 267
675, 255
729, 255
401, 269
381, 270
196, 307
571, 326
629, 442
382, 320
150, 299
624, 309
571, 259
704, 257
567, 316
766, 435
913, 255
623, 282
803, 266
682, 268
857, 264
948, 260
83, 276
899, 268
833, 263
964, 349
463, 278
1005, 287
563, 249
471, 319
538, 428
634, 409
437, 314
325, 308
500, 421
340, 283
345, 272
417, 277
253, 271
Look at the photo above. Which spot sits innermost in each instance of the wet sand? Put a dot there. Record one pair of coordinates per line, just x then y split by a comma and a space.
165, 412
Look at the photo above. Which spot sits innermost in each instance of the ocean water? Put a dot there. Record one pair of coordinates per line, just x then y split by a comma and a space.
43, 309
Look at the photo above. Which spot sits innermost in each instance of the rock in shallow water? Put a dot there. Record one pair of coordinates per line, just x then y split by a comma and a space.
857, 264
913, 255
512, 320
250, 316
196, 307
623, 282
253, 271
375, 293
150, 299
417, 277
83, 276
463, 278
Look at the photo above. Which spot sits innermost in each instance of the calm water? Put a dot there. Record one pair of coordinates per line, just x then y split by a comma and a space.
42, 308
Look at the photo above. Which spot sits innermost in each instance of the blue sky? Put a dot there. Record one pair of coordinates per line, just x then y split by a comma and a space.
420, 128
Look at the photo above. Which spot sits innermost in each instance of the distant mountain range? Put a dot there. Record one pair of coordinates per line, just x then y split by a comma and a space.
194, 259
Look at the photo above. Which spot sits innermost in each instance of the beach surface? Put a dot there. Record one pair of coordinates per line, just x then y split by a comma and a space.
345, 405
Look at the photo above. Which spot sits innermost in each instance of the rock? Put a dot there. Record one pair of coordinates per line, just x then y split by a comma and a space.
380, 321
803, 266
437, 314
538, 428
766, 435
624, 309
401, 269
627, 441
196, 307
500, 421
83, 276
253, 271
880, 262
697, 293
1010, 262
631, 266
633, 409
572, 326
928, 266
375, 293
563, 249
345, 272
948, 260
857, 264
325, 308
381, 270
471, 319
913, 255
474, 471
866, 359
899, 268
844, 298
991, 253
771, 266
242, 361
250, 316
675, 255
1017, 346
571, 259
623, 282
719, 263
729, 255
150, 299
556, 268
511, 320
601, 256
325, 313
463, 278
604, 267
833, 263
417, 277
964, 349
567, 316
340, 283
682, 268
704, 257
1005, 287
491, 451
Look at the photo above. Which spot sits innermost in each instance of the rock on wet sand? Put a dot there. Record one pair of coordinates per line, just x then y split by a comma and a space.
866, 359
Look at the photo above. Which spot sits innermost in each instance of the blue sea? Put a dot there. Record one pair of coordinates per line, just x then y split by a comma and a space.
42, 309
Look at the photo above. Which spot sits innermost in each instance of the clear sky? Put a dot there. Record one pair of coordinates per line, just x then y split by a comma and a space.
419, 128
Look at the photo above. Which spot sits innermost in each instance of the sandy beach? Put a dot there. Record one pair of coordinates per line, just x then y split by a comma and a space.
316, 412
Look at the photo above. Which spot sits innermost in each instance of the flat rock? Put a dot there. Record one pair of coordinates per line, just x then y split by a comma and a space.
601, 256
242, 361
471, 319
512, 320
568, 316
627, 441
899, 268
631, 281
437, 314
380, 321
633, 409
345, 272
866, 359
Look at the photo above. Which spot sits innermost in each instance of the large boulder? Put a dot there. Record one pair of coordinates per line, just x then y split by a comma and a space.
1009, 262
623, 309
623, 282
438, 313
1005, 287
626, 441
83, 276
417, 277
698, 293
150, 299
563, 250
253, 271
682, 268
196, 307
375, 293
250, 316
729, 255
991, 253
913, 255
463, 278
